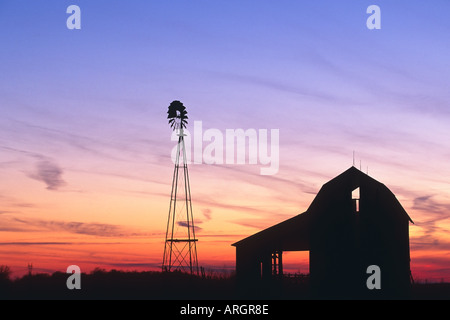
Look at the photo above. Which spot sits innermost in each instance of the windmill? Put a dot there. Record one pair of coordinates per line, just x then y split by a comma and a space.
180, 247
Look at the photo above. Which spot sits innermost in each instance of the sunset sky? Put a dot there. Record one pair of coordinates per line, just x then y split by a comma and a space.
85, 148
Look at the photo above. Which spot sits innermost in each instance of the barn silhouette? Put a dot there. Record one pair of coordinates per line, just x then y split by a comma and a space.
354, 222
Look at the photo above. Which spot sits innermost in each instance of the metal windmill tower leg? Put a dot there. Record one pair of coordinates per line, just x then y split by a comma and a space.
180, 248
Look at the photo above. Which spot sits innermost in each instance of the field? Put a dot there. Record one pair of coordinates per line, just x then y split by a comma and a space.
105, 285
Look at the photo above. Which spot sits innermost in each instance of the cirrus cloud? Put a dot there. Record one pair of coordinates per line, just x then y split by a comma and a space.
50, 173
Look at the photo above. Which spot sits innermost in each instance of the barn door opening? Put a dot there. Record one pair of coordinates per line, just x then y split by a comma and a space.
296, 263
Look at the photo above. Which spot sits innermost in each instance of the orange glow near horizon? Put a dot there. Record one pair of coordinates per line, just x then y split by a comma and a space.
119, 222
134, 242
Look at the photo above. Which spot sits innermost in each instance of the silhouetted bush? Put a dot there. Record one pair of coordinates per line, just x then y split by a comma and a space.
5, 272
114, 284
5, 282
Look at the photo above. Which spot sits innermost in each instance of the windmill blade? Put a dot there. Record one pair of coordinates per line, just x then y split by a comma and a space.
177, 115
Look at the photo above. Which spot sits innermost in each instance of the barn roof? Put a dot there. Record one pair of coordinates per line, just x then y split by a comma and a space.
351, 179
284, 234
292, 234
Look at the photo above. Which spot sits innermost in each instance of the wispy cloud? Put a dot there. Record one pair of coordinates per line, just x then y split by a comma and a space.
130, 148
37, 243
55, 243
259, 224
428, 204
84, 228
185, 224
283, 86
50, 173
433, 212
137, 265
46, 169
207, 214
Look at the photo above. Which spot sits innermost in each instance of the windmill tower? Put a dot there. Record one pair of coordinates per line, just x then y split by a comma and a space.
180, 248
